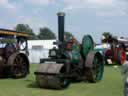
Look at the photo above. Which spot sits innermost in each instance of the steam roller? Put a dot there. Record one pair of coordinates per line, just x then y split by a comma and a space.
70, 61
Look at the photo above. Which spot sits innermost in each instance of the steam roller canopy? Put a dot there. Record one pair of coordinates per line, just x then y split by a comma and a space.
94, 67
87, 44
50, 76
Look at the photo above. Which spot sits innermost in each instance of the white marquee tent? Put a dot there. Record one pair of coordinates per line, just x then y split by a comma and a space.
39, 49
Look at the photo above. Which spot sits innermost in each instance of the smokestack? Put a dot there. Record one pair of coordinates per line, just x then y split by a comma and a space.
61, 16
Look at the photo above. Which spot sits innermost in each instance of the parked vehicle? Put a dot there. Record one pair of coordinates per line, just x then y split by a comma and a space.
116, 54
71, 61
13, 54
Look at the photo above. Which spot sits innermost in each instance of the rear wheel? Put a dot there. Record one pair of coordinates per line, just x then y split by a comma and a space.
19, 66
94, 67
121, 57
2, 71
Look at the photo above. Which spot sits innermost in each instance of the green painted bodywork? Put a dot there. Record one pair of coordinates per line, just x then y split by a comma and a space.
75, 57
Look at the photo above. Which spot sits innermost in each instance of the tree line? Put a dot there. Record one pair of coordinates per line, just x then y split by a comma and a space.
44, 33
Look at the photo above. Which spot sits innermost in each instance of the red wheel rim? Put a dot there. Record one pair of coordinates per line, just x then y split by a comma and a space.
123, 57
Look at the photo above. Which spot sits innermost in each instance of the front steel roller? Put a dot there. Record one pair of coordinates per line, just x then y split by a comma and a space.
51, 76
19, 65
94, 67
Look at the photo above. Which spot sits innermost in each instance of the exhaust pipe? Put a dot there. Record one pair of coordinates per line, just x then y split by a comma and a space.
61, 16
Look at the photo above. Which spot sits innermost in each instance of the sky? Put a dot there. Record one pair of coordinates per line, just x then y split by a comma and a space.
82, 16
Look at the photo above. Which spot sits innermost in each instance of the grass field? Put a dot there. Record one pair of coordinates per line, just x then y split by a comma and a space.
111, 85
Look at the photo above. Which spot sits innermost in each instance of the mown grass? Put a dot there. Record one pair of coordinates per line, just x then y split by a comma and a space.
111, 85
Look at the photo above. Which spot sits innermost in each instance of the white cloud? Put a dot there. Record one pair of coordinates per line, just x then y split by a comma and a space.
7, 9
3, 2
84, 3
101, 2
74, 4
101, 7
13, 13
81, 4
33, 22
117, 8
111, 13
40, 2
6, 4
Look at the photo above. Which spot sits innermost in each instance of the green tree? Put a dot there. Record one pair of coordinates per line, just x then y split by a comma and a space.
46, 33
106, 37
107, 34
68, 34
26, 28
